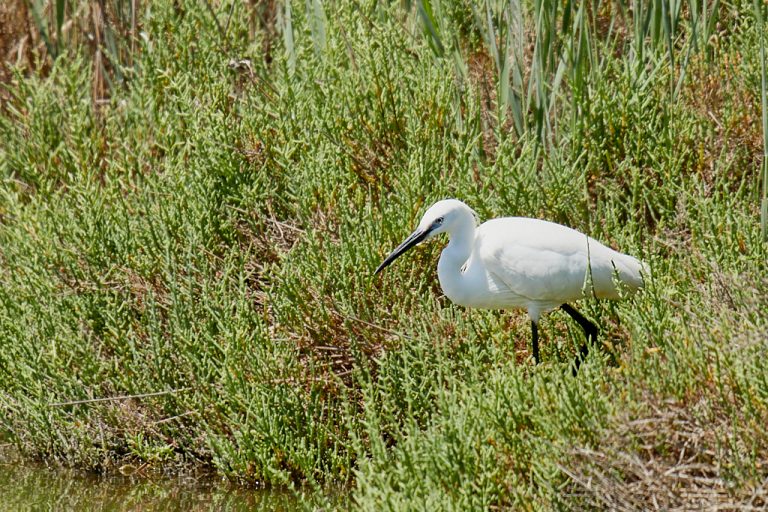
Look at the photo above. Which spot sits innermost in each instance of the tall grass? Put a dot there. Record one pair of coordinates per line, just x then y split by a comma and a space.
572, 44
109, 31
187, 270
760, 19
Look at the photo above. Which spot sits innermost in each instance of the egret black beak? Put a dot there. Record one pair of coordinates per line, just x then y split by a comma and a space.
415, 238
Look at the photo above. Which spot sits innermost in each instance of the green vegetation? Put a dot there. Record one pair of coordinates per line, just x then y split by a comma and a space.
191, 213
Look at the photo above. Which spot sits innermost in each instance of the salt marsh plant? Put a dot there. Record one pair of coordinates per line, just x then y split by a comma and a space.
186, 263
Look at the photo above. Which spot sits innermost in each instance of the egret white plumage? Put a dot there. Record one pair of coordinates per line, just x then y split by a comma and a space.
518, 262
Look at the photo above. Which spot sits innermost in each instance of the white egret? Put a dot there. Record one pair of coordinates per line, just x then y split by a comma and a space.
517, 262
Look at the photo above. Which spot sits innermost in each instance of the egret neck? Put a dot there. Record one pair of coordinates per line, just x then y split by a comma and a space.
455, 256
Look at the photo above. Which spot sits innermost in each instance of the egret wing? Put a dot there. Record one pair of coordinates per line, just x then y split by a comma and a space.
542, 261
548, 262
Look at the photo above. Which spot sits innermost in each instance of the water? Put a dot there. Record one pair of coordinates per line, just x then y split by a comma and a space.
37, 487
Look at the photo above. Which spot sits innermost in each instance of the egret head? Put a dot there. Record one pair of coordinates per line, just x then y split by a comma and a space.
442, 217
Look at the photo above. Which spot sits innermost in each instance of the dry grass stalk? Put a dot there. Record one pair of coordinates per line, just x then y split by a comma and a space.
16, 39
672, 459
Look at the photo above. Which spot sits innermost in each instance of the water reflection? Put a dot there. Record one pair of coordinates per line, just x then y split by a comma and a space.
35, 487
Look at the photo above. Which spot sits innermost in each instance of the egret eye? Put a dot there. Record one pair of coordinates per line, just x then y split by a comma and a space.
439, 221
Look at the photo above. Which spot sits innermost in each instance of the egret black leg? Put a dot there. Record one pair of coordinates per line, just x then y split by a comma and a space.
535, 338
590, 331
